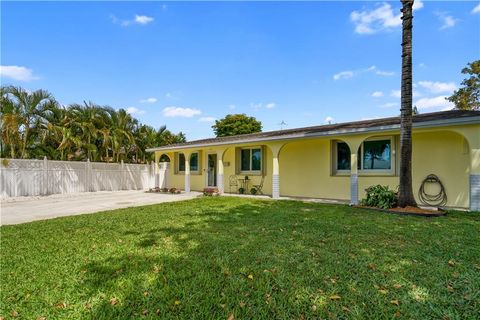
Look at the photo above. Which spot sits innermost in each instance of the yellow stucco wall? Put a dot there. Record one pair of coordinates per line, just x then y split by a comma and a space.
306, 166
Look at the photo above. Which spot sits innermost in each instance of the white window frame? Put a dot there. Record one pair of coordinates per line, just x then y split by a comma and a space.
390, 171
261, 160
191, 171
362, 171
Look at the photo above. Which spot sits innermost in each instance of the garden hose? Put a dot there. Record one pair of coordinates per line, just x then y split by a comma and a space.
439, 199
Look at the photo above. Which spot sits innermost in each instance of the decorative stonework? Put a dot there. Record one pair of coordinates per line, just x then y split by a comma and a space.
354, 189
187, 183
276, 186
475, 192
220, 183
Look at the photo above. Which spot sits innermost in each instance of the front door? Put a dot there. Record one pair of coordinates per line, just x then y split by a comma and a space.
212, 170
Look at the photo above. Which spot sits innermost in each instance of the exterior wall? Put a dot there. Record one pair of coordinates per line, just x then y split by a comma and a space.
306, 166
305, 171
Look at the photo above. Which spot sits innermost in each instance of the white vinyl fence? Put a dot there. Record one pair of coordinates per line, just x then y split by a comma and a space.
20, 177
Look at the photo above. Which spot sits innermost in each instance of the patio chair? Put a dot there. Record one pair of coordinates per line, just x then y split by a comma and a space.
232, 182
259, 187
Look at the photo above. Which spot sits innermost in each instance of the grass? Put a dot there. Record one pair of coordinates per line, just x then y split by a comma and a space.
218, 257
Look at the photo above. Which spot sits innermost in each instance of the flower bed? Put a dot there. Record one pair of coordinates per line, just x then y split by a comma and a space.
164, 190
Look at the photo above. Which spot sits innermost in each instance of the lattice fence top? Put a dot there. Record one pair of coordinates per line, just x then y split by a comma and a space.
27, 164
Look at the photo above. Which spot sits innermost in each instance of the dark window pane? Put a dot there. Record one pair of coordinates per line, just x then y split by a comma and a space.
377, 155
256, 159
181, 162
194, 162
343, 156
245, 159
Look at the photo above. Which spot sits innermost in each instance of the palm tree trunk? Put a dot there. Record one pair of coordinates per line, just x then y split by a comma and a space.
405, 194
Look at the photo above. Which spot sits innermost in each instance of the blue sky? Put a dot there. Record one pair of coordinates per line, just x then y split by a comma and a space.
184, 64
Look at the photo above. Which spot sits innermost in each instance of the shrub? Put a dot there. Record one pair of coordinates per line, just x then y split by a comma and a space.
164, 189
173, 190
208, 192
380, 196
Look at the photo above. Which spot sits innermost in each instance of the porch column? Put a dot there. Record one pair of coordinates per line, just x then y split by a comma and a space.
157, 170
353, 179
220, 185
275, 170
187, 171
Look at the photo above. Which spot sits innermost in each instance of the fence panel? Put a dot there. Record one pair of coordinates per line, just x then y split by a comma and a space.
20, 177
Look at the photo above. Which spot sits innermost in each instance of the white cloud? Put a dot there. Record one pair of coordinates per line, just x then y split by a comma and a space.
207, 119
379, 19
260, 105
329, 120
270, 105
385, 73
149, 100
448, 21
476, 9
377, 94
138, 19
143, 19
396, 93
17, 73
343, 75
437, 103
352, 73
172, 112
438, 87
133, 110
389, 105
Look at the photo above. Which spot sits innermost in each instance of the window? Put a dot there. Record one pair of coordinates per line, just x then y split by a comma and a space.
343, 156
251, 159
193, 162
181, 162
374, 155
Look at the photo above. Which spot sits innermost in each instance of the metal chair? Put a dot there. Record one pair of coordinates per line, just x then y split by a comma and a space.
233, 182
259, 187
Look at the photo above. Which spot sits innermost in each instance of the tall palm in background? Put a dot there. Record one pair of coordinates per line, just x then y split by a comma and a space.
405, 194
34, 125
30, 107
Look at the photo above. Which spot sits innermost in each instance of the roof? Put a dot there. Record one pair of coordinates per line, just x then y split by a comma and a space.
420, 120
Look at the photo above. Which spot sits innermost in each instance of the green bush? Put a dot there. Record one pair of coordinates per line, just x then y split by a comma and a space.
380, 196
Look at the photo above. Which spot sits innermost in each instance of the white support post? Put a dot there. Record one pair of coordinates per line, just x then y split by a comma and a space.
220, 172
276, 170
353, 179
475, 179
187, 172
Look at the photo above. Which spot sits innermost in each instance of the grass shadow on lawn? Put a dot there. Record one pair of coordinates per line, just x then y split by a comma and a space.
213, 257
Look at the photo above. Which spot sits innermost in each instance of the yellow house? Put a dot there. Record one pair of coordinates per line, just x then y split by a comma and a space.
335, 161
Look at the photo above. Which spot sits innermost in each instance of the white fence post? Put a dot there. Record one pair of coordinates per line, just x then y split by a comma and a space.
123, 175
45, 177
87, 176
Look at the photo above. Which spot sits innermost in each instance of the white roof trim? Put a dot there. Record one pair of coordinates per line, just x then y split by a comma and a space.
426, 124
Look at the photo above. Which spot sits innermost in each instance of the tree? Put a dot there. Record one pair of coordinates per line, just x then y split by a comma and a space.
234, 124
468, 97
405, 192
29, 106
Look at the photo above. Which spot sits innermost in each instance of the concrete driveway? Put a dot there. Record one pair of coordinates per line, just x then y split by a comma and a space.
26, 209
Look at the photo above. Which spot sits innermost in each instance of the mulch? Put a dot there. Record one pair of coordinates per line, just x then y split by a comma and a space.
409, 211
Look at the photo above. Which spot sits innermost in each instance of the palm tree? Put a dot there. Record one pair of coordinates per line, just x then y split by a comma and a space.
121, 132
405, 194
30, 106
10, 121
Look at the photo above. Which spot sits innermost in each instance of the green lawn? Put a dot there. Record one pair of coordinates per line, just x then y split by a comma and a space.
217, 257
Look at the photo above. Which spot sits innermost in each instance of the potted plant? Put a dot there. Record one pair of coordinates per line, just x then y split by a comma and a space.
241, 190
253, 191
